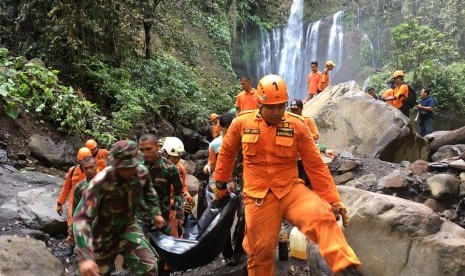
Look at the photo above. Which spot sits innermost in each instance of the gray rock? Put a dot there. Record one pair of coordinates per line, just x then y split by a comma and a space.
395, 179
433, 204
21, 156
343, 178
200, 154
462, 189
37, 61
448, 151
457, 164
36, 234
462, 176
188, 165
342, 125
443, 185
405, 164
362, 181
348, 165
26, 256
31, 197
3, 156
192, 184
346, 154
60, 155
448, 214
407, 238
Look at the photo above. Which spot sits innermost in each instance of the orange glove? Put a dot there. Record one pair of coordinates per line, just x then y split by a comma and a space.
219, 190
340, 211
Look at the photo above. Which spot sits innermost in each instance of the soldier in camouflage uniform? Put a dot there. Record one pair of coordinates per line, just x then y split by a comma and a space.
105, 223
164, 175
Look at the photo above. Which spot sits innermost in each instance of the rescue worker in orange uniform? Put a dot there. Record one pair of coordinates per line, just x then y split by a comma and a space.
73, 177
388, 92
324, 80
216, 129
313, 80
400, 92
246, 99
99, 154
271, 140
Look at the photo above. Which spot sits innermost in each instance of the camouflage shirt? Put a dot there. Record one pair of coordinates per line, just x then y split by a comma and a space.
108, 207
165, 175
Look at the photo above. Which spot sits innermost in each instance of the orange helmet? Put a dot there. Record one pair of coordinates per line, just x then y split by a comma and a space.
398, 73
272, 89
83, 153
213, 116
91, 144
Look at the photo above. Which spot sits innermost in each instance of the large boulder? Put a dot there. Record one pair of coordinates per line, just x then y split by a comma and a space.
409, 238
31, 197
55, 154
448, 151
26, 256
349, 119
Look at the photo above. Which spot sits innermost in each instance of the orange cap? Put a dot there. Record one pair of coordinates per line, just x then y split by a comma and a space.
83, 153
91, 144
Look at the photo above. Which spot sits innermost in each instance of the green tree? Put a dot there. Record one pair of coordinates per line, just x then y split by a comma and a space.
414, 44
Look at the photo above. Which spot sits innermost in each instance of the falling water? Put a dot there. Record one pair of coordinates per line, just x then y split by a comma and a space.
289, 68
336, 40
312, 39
372, 51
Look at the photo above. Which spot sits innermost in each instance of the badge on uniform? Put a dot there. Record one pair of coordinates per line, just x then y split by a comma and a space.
285, 131
251, 131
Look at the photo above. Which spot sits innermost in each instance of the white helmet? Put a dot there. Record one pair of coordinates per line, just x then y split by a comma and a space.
173, 146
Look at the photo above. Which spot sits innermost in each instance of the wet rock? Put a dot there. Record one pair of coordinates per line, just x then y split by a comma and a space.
36, 234
26, 256
443, 185
343, 178
419, 167
395, 179
59, 155
348, 165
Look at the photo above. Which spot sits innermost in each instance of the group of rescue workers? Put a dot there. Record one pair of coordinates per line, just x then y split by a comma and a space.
117, 197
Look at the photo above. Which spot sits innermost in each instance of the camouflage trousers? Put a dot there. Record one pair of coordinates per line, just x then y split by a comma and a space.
139, 256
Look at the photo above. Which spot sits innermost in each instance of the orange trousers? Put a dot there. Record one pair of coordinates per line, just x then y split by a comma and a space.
303, 208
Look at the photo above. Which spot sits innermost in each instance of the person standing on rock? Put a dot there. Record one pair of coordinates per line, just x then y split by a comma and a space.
313, 80
271, 140
246, 99
324, 80
400, 92
99, 154
89, 168
73, 177
105, 223
425, 112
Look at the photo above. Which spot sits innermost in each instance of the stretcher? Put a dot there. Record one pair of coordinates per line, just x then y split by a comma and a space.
203, 242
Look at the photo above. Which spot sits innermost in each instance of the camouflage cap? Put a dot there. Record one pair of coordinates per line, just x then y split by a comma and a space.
125, 154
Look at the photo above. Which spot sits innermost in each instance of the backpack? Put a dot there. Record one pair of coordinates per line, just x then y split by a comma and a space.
410, 101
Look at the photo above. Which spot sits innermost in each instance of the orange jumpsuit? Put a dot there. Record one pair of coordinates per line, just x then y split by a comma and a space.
273, 191
313, 80
247, 100
324, 80
313, 129
69, 185
101, 158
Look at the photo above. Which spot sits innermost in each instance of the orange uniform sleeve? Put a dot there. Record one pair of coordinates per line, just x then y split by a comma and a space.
238, 100
67, 185
318, 172
183, 174
324, 81
227, 156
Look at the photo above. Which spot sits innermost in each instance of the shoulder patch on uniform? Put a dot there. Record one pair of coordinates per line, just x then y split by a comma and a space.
297, 116
285, 131
251, 131
246, 112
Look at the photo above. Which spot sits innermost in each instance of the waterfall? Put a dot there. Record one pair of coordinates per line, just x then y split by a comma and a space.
372, 51
336, 40
289, 68
288, 51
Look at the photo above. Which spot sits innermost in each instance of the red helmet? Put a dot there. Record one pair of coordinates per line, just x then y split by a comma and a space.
272, 89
